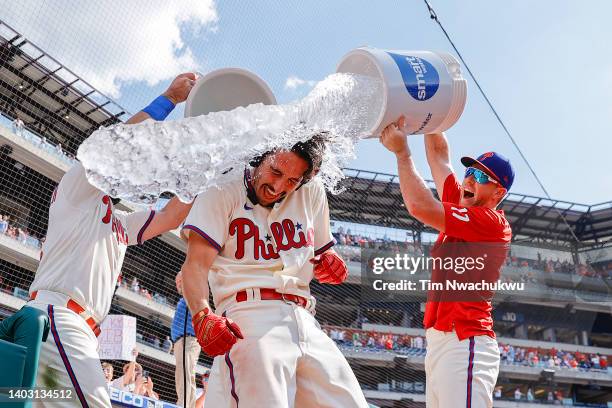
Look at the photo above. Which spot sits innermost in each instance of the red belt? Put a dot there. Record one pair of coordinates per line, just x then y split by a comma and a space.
272, 294
78, 309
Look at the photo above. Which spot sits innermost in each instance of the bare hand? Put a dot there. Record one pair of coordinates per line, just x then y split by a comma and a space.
139, 382
180, 87
393, 137
135, 353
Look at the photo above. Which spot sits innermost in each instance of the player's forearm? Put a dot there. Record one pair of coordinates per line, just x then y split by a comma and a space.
438, 158
129, 374
158, 109
176, 211
168, 219
195, 287
414, 190
436, 148
137, 118
419, 200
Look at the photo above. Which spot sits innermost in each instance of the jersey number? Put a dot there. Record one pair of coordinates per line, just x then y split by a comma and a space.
463, 216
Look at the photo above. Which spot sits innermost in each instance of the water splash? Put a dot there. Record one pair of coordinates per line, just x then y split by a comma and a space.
187, 156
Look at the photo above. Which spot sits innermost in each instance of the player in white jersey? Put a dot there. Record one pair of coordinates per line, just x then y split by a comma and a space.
80, 262
259, 242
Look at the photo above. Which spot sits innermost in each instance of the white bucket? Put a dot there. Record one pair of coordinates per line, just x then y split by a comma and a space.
426, 87
226, 89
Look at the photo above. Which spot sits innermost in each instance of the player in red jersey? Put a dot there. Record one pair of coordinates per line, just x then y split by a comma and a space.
462, 361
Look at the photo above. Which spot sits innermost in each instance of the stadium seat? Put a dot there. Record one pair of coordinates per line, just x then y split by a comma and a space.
21, 336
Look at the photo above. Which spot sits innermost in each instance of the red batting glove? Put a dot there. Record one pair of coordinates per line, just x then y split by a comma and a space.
216, 334
329, 268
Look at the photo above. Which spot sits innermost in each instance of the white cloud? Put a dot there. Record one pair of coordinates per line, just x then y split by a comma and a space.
112, 43
294, 82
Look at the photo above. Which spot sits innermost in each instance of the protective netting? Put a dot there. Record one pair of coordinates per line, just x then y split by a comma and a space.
555, 336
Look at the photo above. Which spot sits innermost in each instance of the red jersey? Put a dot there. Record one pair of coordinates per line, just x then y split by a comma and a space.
465, 224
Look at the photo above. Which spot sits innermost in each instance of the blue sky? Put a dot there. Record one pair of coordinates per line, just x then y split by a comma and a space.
546, 66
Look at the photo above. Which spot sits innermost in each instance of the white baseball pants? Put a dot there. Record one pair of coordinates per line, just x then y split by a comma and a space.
69, 358
460, 374
285, 360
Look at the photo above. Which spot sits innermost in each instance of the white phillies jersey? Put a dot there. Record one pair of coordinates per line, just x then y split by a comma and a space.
86, 243
261, 247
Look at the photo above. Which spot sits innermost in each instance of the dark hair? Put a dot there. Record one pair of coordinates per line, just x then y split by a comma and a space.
312, 150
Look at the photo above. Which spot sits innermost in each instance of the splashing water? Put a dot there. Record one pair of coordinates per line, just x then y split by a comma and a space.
187, 156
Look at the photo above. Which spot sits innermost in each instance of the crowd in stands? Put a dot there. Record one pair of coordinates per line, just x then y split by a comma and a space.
555, 397
557, 266
154, 341
510, 355
133, 379
42, 142
349, 245
135, 287
5, 286
349, 239
23, 235
552, 358
521, 393
374, 340
14, 290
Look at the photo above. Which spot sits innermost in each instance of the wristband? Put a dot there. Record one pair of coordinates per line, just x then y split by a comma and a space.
200, 315
160, 108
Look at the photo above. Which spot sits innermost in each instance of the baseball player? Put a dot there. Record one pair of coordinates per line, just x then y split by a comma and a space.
462, 361
258, 242
80, 263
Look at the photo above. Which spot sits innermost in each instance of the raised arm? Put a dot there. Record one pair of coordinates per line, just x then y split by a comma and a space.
161, 107
420, 201
438, 157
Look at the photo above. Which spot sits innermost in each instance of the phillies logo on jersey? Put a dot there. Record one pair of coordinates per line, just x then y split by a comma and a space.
117, 227
285, 234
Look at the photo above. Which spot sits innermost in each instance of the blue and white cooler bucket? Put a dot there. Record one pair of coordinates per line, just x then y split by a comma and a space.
426, 87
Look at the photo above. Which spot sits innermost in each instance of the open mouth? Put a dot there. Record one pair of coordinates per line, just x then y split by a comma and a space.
270, 194
468, 194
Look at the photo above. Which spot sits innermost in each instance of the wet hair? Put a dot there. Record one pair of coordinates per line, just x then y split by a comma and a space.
312, 151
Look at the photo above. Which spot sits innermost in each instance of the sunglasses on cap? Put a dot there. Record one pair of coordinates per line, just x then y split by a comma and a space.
480, 176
